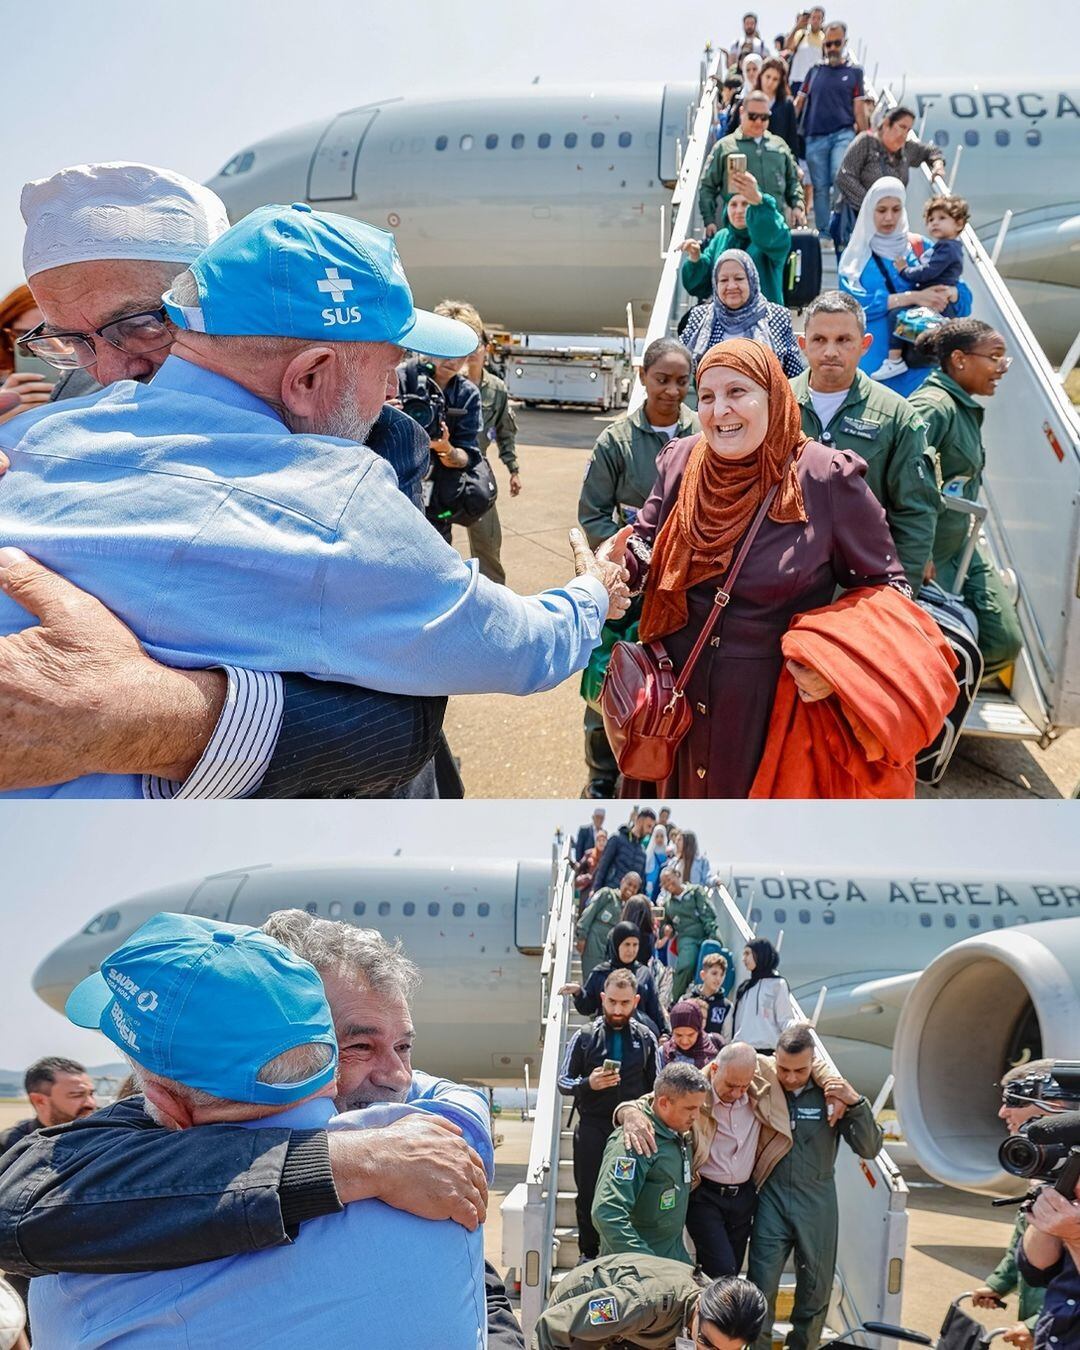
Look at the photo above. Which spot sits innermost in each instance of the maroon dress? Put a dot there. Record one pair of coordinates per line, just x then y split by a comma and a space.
845, 541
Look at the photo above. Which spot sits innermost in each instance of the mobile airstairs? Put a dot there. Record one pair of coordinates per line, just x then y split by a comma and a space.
539, 1225
1032, 437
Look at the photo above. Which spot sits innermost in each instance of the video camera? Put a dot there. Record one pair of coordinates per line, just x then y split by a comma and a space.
425, 402
1048, 1147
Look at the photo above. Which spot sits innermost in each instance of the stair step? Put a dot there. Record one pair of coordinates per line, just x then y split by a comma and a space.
568, 1251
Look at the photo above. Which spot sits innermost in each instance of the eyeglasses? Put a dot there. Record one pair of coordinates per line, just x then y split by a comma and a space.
1001, 362
831, 46
135, 334
757, 117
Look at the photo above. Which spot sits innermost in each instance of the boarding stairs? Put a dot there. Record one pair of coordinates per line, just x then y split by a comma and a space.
539, 1220
1031, 431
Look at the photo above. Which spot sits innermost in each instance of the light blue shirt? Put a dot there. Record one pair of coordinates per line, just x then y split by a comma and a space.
370, 1276
220, 538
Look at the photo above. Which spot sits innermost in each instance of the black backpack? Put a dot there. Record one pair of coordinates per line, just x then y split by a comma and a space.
458, 496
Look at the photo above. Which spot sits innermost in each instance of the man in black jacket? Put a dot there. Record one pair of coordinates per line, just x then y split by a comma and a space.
598, 1088
114, 1192
586, 835
625, 851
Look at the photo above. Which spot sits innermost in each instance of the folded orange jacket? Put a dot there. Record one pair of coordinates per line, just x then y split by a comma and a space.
892, 672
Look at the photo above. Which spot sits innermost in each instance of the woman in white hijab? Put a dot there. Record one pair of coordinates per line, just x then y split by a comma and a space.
880, 242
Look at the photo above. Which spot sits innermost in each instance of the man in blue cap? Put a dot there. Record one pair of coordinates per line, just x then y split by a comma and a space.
229, 514
223, 1024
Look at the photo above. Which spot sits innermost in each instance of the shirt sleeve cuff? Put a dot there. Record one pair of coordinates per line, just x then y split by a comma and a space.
238, 754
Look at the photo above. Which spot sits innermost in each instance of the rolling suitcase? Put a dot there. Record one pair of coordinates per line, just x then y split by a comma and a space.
961, 630
802, 271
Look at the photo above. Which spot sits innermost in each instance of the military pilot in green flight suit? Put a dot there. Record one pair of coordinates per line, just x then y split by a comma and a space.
797, 1207
690, 910
598, 918
640, 1203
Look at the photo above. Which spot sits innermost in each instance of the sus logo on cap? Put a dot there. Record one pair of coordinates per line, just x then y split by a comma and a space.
273, 273
208, 1005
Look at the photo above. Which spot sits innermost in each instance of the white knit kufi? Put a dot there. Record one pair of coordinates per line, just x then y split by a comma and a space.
93, 212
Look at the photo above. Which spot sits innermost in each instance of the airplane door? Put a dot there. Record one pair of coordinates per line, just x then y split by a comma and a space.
215, 897
332, 174
673, 129
531, 906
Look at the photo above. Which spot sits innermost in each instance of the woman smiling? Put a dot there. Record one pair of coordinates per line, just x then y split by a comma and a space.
739, 310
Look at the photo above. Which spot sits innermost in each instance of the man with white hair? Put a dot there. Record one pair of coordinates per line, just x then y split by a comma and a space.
103, 242
235, 516
223, 1024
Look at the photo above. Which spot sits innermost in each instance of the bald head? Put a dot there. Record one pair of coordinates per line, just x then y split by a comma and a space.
736, 1065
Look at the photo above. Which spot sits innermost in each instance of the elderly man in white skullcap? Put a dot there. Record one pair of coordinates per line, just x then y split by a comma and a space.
103, 244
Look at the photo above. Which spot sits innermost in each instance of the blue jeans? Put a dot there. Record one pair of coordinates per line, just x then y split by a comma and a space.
824, 155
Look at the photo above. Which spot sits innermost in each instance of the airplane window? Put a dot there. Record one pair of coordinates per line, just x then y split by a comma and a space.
312, 907
755, 916
804, 916
441, 142
517, 141
941, 138
416, 144
433, 908
780, 915
384, 908
492, 141
1002, 137
998, 921
335, 909
950, 920
570, 140
408, 909
974, 921
483, 909
459, 910
397, 145
925, 920
971, 138
1033, 137
103, 923
466, 143
543, 140
624, 139
238, 164
359, 907
829, 916
597, 139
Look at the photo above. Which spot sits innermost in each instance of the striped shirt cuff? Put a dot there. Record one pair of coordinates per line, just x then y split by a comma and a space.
238, 754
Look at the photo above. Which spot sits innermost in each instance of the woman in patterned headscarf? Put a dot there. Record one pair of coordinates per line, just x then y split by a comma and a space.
739, 310
824, 528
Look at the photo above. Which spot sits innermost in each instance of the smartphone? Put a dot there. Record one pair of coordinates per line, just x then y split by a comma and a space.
735, 164
34, 365
611, 1066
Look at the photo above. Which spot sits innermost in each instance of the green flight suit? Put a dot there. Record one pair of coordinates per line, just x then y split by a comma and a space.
1005, 1278
766, 238
797, 1210
641, 1300
954, 430
695, 920
770, 161
499, 427
597, 920
640, 1203
886, 431
621, 472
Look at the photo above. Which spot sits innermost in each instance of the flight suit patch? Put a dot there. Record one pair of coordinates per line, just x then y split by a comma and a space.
602, 1311
606, 916
624, 1169
809, 1113
862, 427
668, 1199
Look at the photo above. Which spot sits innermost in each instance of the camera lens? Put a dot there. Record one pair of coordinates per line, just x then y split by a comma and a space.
1020, 1156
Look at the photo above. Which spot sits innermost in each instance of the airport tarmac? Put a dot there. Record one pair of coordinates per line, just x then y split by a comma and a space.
954, 1239
511, 747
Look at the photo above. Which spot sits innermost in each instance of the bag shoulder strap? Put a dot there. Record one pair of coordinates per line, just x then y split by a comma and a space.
890, 285
723, 593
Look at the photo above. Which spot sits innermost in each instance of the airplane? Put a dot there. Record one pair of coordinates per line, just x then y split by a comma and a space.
968, 972
542, 204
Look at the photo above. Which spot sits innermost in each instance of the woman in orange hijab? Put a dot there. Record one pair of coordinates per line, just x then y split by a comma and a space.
824, 528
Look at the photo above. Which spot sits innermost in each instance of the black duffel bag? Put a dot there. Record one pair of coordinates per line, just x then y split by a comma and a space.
462, 496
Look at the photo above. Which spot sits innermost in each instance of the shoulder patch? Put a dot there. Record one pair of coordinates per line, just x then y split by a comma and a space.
625, 1169
602, 1311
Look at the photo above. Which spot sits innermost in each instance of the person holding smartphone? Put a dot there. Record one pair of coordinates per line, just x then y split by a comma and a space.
24, 380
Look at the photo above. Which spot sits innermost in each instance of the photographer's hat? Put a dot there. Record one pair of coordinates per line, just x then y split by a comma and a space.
291, 272
208, 1004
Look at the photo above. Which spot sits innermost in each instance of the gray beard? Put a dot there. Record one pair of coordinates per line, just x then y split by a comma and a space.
344, 423
368, 1095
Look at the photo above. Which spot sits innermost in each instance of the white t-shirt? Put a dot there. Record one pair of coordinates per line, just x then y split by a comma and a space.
667, 432
826, 405
808, 54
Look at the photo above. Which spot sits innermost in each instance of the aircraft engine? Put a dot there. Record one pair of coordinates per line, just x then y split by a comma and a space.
980, 1007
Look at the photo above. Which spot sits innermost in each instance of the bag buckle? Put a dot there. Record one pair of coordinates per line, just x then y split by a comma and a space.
676, 694
722, 597
665, 663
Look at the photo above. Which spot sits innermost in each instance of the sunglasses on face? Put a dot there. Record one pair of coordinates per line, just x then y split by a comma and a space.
831, 46
757, 117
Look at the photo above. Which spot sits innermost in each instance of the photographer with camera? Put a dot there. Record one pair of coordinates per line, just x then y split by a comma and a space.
1046, 1146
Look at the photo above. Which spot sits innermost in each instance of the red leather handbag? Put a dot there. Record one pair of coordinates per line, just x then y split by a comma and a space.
643, 702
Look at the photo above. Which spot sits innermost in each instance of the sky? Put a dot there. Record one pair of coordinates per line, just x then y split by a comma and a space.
60, 863
187, 86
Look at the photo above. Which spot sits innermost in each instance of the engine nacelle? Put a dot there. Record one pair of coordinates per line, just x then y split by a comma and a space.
978, 1008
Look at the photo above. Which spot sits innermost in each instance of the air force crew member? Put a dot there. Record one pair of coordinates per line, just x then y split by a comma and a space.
223, 1024
230, 514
